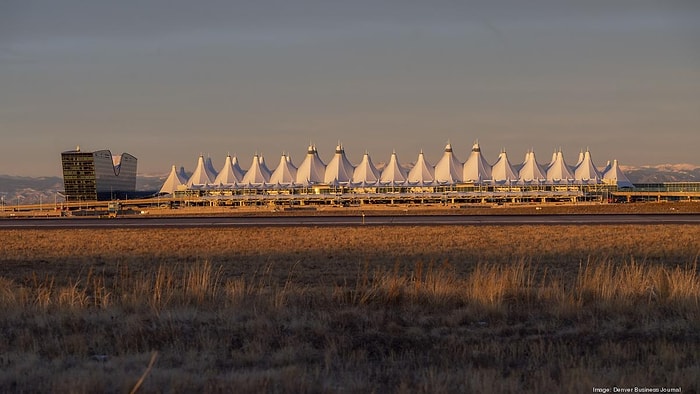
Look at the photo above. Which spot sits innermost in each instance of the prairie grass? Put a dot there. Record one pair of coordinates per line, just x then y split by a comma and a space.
259, 313
332, 254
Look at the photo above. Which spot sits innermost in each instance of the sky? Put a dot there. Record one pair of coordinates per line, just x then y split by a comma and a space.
169, 80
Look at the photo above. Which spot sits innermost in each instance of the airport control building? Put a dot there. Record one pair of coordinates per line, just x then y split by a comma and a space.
90, 176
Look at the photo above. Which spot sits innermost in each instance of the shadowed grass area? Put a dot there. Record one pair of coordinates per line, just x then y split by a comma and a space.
420, 327
336, 309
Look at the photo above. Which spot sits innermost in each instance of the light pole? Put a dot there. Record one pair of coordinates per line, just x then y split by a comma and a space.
55, 199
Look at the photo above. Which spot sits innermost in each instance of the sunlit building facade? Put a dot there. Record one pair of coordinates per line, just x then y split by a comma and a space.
449, 181
89, 176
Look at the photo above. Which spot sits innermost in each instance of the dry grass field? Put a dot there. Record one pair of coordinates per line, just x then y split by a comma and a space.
350, 309
435, 209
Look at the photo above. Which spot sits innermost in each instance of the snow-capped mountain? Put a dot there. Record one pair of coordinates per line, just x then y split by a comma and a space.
33, 190
663, 173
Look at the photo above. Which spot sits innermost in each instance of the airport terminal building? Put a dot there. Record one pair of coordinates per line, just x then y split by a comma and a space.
450, 180
91, 176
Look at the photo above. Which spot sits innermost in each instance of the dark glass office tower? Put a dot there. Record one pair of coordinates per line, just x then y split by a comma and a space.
89, 176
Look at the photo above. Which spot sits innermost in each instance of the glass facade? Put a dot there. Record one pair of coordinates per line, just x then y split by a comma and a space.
89, 176
79, 176
689, 187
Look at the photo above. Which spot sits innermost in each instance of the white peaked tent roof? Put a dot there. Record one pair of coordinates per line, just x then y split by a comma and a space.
227, 176
558, 170
237, 170
502, 170
530, 170
615, 175
201, 176
339, 168
586, 170
365, 172
312, 169
264, 168
422, 172
476, 168
554, 158
448, 169
210, 168
285, 173
173, 181
393, 172
580, 159
255, 175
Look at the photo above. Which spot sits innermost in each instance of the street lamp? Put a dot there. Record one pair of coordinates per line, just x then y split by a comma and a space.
55, 199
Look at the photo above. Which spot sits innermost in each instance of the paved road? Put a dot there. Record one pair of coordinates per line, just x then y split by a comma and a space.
422, 220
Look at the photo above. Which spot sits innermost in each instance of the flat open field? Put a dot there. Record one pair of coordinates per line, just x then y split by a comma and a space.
361, 309
154, 208
450, 209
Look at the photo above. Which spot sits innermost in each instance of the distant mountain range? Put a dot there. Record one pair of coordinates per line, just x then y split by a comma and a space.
662, 173
31, 190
